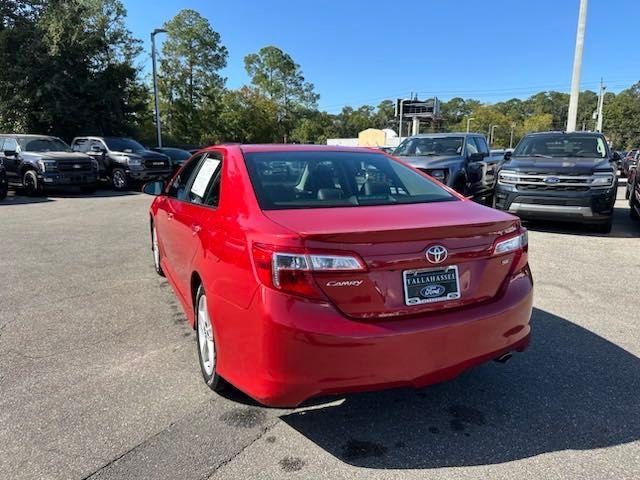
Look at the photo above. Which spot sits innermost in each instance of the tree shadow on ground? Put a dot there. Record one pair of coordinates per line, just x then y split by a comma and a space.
571, 390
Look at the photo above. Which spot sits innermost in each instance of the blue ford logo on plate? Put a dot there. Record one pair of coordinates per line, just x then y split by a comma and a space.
551, 180
431, 291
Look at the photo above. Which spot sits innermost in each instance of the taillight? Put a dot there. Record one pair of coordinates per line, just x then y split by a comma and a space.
291, 270
518, 244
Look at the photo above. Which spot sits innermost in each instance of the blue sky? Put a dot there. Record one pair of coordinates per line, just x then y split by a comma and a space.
358, 52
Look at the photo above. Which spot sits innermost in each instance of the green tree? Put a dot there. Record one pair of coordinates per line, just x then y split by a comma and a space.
189, 77
277, 76
67, 77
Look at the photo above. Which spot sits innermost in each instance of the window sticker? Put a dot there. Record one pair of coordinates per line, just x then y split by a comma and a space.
206, 172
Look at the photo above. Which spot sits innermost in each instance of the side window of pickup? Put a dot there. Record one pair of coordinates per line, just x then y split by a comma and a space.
482, 145
80, 145
471, 146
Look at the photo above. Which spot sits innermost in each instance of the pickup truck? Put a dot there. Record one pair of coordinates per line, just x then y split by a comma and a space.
36, 163
560, 176
123, 161
461, 161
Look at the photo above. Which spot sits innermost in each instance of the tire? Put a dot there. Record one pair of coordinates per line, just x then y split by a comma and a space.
155, 249
119, 180
205, 343
605, 227
460, 186
633, 213
32, 186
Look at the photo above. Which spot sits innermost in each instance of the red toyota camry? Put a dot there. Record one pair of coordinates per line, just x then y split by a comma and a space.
310, 270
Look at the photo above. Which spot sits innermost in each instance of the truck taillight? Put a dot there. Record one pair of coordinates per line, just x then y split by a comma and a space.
291, 270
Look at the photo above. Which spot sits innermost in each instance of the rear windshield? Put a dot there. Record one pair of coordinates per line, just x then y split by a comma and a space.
289, 180
562, 145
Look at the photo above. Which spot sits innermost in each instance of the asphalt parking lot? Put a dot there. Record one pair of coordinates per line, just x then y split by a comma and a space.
99, 375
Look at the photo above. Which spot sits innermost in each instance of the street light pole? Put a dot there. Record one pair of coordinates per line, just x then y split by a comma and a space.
492, 135
577, 67
155, 84
469, 123
600, 106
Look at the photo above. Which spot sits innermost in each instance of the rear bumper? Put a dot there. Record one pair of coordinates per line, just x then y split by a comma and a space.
594, 206
301, 349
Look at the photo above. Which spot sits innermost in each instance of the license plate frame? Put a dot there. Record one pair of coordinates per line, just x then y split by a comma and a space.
450, 286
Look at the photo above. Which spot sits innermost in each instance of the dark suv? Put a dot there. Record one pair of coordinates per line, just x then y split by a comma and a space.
560, 176
38, 162
460, 160
3, 182
123, 160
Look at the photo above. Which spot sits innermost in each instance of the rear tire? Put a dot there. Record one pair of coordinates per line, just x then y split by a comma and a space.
32, 186
206, 344
119, 180
155, 249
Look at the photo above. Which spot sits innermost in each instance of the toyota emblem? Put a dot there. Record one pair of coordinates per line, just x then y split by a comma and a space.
437, 254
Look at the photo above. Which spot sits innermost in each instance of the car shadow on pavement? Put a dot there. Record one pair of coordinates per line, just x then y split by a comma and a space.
623, 226
22, 200
571, 390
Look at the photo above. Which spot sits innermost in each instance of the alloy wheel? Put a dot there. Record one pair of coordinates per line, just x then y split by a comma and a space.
206, 346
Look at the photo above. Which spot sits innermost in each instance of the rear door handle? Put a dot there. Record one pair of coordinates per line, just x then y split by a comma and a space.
195, 228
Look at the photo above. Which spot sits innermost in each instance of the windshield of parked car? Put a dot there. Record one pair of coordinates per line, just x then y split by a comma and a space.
123, 145
314, 179
43, 144
561, 145
426, 146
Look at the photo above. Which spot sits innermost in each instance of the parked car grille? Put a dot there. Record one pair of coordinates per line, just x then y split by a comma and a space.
525, 181
77, 167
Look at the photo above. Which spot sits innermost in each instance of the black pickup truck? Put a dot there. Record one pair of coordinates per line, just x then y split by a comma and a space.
460, 160
39, 162
122, 161
560, 176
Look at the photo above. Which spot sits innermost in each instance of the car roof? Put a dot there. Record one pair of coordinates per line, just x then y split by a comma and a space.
447, 134
298, 148
560, 132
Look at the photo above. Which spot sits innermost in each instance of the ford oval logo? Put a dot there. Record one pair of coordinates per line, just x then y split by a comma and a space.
431, 291
551, 180
437, 254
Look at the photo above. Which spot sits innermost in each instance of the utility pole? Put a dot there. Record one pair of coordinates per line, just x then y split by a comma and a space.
600, 106
469, 123
155, 84
577, 68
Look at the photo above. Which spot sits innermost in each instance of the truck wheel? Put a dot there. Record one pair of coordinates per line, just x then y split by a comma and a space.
119, 180
32, 186
605, 227
205, 341
460, 186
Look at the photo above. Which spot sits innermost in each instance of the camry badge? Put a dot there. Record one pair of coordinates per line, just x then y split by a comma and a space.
437, 254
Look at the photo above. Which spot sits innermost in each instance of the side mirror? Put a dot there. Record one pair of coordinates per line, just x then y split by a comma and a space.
476, 157
153, 188
508, 155
616, 157
10, 153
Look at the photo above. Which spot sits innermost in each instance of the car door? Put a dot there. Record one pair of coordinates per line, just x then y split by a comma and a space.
194, 219
97, 150
11, 161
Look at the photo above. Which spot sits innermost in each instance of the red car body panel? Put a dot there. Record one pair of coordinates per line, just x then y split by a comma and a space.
282, 349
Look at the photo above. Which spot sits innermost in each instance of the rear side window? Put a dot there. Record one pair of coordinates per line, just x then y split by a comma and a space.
316, 179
